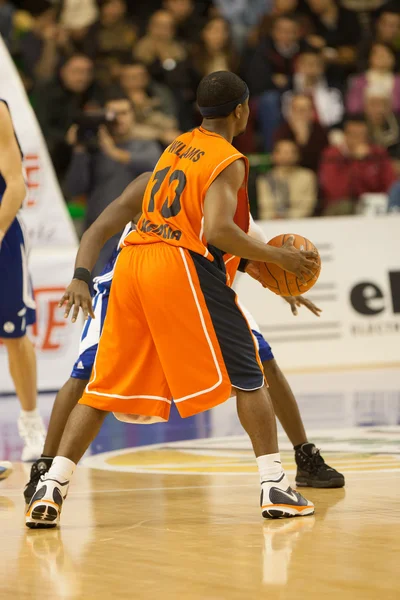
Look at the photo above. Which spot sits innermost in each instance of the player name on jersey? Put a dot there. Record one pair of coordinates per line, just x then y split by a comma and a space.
191, 153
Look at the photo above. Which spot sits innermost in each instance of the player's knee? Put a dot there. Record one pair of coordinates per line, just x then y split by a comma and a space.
75, 387
271, 368
14, 343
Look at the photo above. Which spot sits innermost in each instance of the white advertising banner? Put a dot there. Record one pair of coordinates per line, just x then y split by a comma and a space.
44, 212
358, 290
56, 339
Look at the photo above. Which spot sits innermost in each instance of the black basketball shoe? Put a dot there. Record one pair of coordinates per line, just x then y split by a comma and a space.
39, 468
312, 470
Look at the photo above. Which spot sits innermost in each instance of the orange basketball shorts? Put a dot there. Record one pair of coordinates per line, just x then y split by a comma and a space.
173, 332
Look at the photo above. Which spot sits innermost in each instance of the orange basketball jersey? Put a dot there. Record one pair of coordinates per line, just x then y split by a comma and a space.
174, 198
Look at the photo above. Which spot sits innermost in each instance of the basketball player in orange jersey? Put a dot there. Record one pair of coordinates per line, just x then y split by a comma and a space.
173, 328
311, 468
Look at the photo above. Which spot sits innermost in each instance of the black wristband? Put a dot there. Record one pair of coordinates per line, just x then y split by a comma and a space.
243, 264
83, 275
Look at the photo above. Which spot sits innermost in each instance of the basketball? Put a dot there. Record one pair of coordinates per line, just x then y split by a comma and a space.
281, 282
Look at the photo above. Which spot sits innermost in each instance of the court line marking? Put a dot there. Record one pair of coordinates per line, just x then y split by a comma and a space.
18, 492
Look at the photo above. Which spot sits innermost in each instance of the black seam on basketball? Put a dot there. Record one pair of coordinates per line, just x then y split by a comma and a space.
274, 278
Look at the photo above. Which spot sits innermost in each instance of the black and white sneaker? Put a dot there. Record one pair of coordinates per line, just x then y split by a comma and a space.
45, 507
279, 500
312, 470
38, 469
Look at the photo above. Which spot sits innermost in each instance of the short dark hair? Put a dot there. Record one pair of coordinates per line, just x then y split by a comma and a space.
220, 88
130, 62
115, 94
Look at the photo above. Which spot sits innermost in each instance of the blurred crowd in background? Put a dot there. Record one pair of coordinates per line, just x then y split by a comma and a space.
113, 82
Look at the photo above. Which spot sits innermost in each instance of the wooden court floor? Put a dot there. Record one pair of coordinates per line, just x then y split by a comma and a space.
145, 536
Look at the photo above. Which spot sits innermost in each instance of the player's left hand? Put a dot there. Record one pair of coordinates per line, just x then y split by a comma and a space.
77, 295
297, 301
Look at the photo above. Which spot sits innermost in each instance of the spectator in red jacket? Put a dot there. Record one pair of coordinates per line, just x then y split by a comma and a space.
352, 169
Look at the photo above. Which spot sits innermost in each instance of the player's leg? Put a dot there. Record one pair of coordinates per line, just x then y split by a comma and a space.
211, 350
125, 348
67, 398
22, 366
69, 395
312, 470
17, 311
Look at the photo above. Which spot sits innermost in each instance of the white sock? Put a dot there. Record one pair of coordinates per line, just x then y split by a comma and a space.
62, 469
269, 466
30, 414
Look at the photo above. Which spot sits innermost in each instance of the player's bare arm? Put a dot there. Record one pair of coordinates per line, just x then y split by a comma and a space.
221, 231
11, 170
124, 209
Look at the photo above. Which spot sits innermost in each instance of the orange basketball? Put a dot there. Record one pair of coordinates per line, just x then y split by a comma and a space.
281, 282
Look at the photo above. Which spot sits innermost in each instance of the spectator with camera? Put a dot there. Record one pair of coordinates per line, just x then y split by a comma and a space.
106, 157
288, 191
59, 101
353, 168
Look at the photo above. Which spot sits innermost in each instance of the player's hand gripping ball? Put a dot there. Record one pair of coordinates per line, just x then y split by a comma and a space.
282, 282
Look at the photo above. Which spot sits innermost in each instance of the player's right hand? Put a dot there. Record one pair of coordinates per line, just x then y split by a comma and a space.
298, 262
77, 295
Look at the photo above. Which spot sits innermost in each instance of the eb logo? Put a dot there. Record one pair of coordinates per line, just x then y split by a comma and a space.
367, 298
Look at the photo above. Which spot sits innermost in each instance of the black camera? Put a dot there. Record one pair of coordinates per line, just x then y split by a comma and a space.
88, 127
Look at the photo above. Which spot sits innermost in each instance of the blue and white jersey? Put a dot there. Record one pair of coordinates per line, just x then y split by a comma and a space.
93, 327
17, 306
102, 283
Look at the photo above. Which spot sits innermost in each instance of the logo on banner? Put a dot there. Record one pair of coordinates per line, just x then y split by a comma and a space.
369, 299
32, 176
49, 332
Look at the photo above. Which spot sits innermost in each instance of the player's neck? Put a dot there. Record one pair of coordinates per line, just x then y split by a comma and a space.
220, 127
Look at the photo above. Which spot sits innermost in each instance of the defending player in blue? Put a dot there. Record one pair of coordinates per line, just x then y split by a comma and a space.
17, 306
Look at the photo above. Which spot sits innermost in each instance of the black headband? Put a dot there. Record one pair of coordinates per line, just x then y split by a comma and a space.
223, 110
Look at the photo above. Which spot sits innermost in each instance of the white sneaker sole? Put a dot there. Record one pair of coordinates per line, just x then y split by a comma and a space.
43, 514
284, 511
